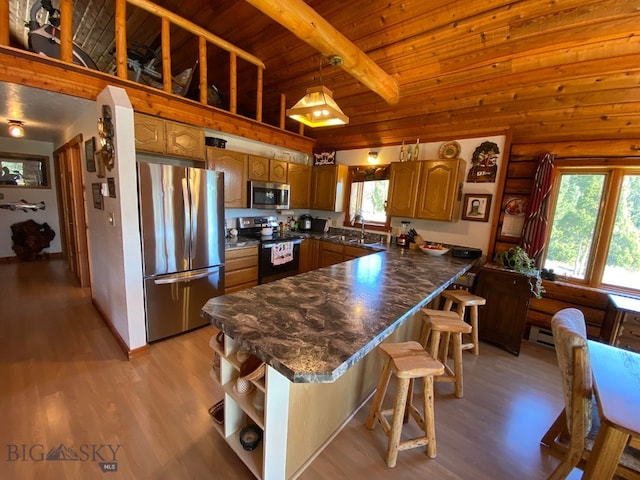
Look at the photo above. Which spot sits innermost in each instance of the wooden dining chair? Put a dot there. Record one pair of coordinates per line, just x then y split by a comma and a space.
574, 431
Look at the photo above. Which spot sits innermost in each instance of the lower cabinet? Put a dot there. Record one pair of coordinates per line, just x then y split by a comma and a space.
503, 319
332, 253
241, 268
309, 255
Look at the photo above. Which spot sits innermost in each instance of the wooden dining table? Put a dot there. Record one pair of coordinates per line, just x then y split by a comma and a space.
616, 376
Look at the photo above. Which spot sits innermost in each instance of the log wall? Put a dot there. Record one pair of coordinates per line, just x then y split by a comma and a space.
521, 168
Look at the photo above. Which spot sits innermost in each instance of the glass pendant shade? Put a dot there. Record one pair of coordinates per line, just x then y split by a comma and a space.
318, 109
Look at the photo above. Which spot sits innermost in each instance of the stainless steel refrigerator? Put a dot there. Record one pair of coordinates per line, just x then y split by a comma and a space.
182, 229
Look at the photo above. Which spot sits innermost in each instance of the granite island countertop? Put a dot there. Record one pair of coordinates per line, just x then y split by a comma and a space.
313, 326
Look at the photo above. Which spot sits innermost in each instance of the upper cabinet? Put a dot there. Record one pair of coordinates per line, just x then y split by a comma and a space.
431, 189
156, 135
440, 190
403, 188
234, 166
267, 170
300, 182
328, 186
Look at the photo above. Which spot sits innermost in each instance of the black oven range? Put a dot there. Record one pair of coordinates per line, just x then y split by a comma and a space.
278, 253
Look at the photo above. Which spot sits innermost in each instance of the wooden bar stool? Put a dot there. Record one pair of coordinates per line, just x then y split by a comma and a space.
441, 329
464, 299
407, 361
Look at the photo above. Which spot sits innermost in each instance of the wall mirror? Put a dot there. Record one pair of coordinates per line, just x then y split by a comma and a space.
25, 171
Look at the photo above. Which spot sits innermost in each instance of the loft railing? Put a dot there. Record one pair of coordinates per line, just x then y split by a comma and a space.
168, 18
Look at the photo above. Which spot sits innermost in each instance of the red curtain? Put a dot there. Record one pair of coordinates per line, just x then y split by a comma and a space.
534, 232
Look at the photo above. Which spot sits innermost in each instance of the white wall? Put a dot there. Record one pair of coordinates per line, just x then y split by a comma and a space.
114, 246
13, 194
463, 232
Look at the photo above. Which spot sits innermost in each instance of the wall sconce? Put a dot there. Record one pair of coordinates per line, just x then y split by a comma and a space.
372, 158
16, 128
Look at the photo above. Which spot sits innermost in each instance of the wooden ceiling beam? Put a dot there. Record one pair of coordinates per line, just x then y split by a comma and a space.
301, 20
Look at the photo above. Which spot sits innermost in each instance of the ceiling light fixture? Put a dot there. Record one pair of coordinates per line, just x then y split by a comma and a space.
318, 108
16, 128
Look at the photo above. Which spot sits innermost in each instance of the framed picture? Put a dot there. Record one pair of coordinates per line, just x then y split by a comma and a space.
99, 161
476, 207
111, 183
89, 149
96, 189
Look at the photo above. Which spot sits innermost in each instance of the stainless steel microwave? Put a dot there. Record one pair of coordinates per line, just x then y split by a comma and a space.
269, 195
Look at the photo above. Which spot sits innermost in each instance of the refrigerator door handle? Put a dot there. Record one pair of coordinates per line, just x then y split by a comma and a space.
184, 277
187, 220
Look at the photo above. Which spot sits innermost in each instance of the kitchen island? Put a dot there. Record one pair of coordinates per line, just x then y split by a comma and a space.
316, 332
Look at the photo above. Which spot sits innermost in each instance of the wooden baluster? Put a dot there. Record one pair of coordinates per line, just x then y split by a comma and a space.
283, 109
166, 55
66, 30
233, 82
259, 96
4, 24
202, 55
121, 38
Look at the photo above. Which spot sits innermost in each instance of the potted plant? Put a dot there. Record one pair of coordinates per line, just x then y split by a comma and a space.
516, 259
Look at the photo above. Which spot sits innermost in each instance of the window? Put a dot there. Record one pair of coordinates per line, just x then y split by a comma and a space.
27, 171
595, 230
368, 190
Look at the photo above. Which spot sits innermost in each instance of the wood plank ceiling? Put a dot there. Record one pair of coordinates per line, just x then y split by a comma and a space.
546, 70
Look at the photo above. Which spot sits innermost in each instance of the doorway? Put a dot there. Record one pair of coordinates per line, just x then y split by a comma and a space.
72, 209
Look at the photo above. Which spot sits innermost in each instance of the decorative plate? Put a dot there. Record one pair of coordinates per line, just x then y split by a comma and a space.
449, 150
516, 206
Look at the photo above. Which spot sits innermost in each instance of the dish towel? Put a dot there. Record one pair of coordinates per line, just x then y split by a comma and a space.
281, 253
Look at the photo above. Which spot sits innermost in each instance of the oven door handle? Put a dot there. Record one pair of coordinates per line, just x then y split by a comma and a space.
270, 245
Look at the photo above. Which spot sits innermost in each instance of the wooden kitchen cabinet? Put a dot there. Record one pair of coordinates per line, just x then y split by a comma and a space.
328, 187
429, 189
234, 166
440, 190
309, 250
349, 252
503, 319
156, 135
332, 253
403, 188
267, 170
149, 133
184, 140
300, 183
241, 268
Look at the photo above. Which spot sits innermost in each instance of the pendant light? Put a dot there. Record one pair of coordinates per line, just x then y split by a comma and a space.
318, 108
16, 128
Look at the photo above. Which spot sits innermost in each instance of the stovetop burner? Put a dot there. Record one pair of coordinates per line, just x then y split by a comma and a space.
252, 226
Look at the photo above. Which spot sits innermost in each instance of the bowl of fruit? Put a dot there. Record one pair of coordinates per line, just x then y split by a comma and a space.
435, 249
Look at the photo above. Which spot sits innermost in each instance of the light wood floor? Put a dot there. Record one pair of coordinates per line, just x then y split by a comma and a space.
64, 381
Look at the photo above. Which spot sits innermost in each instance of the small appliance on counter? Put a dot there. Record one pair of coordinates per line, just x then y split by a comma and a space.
466, 252
305, 221
320, 225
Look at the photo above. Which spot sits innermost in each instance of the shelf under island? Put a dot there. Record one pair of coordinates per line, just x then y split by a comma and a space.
316, 332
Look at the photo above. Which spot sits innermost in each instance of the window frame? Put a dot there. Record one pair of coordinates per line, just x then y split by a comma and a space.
614, 171
374, 226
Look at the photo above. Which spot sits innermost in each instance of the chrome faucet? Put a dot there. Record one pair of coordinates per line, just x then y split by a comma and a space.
359, 218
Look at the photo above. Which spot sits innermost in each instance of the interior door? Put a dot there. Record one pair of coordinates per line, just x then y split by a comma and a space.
71, 209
